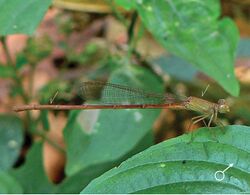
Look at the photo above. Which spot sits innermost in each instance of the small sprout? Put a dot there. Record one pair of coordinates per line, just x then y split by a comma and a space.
162, 165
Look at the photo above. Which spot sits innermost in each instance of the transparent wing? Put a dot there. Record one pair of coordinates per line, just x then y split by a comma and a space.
108, 93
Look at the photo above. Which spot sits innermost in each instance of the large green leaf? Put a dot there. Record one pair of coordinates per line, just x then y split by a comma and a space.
21, 16
184, 165
99, 136
31, 175
8, 184
191, 30
74, 183
174, 66
11, 139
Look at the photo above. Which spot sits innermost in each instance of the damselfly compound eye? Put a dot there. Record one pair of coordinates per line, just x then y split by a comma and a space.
221, 101
223, 107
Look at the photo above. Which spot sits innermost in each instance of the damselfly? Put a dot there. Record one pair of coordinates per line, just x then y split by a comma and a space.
102, 95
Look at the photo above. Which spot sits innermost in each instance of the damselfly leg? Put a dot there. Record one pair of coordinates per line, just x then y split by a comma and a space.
193, 121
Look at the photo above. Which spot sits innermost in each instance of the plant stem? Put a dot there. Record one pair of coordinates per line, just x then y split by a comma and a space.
130, 33
132, 27
26, 98
31, 80
6, 51
10, 62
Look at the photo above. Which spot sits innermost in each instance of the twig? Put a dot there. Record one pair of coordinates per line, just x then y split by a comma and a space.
132, 27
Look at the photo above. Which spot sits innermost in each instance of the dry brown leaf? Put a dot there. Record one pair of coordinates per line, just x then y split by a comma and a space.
54, 160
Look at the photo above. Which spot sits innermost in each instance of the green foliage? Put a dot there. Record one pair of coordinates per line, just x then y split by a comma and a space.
21, 60
172, 65
192, 30
11, 140
54, 91
7, 71
8, 184
31, 175
84, 56
97, 134
44, 120
21, 17
75, 183
184, 165
37, 49
128, 5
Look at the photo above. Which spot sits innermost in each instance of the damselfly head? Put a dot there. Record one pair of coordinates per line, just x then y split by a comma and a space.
223, 106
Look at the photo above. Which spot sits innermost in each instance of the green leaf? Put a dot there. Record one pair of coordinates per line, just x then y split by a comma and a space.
99, 136
21, 16
89, 53
54, 91
11, 140
31, 175
174, 66
191, 30
184, 165
76, 182
21, 60
45, 120
15, 91
128, 5
7, 72
8, 184
37, 49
